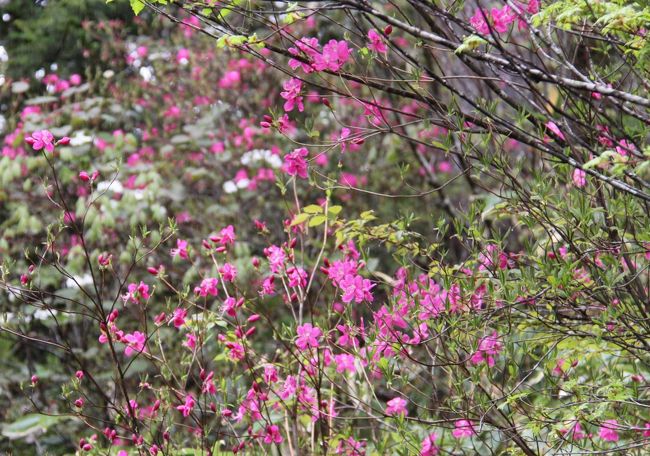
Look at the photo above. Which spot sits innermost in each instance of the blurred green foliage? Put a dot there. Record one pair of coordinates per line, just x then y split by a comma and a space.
39, 33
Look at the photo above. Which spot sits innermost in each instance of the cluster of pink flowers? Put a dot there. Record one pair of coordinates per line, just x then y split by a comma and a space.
488, 347
332, 57
501, 18
137, 293
295, 163
291, 94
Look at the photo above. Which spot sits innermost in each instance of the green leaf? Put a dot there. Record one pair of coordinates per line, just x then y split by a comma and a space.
137, 6
300, 218
317, 220
334, 210
313, 209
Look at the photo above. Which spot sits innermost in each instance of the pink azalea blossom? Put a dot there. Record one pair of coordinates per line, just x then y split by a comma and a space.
41, 139
135, 343
345, 362
356, 288
136, 293
608, 432
574, 432
187, 407
208, 286
208, 386
228, 272
178, 319
295, 163
579, 178
377, 43
291, 94
270, 374
308, 336
552, 126
335, 54
190, 341
479, 22
276, 257
502, 18
272, 434
463, 428
428, 447
180, 250
396, 406
625, 147
488, 347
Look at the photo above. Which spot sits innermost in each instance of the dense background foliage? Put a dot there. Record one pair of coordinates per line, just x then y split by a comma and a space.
325, 228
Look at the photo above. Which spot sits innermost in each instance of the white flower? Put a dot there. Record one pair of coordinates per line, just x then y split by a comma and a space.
229, 187
115, 186
80, 138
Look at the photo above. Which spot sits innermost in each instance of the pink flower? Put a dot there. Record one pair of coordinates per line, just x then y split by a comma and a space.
136, 292
574, 432
228, 272
183, 56
464, 428
646, 432
479, 22
272, 434
208, 384
552, 126
270, 374
178, 319
276, 257
429, 447
335, 54
226, 236
41, 139
235, 351
180, 250
187, 407
345, 362
309, 47
209, 286
268, 286
356, 288
608, 432
487, 347
190, 341
625, 147
308, 336
502, 18
135, 343
579, 178
396, 406
295, 163
376, 42
230, 305
292, 96
297, 277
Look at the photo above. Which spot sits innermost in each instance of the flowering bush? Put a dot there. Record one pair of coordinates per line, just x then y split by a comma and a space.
353, 228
